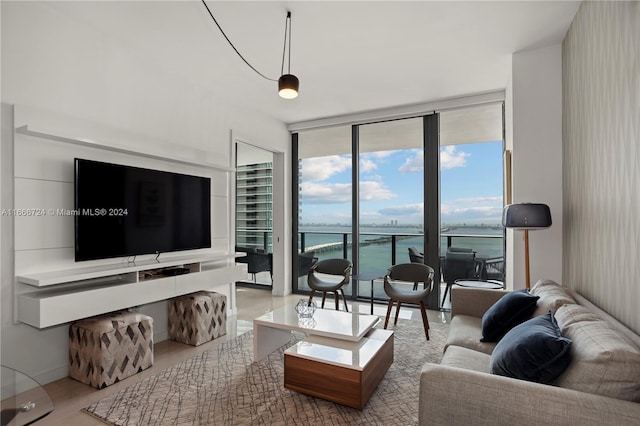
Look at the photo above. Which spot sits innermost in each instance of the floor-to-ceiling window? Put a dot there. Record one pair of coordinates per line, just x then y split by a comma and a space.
390, 197
471, 191
370, 192
360, 197
324, 191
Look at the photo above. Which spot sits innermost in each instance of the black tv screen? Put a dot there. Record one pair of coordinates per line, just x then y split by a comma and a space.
126, 211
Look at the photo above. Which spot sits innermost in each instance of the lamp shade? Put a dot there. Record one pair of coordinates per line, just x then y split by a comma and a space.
288, 85
526, 216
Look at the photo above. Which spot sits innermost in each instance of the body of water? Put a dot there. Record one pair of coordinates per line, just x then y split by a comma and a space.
375, 242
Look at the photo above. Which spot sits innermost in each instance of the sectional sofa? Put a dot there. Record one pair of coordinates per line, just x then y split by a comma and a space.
599, 385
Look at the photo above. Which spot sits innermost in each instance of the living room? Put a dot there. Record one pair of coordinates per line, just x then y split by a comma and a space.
71, 71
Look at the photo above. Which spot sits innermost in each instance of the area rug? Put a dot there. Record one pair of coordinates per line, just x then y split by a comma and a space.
223, 386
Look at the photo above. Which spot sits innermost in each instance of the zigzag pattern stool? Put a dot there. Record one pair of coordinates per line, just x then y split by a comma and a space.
197, 318
106, 349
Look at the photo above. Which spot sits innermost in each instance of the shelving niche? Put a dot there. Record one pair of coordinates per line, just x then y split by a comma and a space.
68, 295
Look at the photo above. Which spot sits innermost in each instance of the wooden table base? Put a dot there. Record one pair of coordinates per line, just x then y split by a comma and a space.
321, 375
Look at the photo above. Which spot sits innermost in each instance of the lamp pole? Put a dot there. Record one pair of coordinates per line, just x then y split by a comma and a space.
526, 259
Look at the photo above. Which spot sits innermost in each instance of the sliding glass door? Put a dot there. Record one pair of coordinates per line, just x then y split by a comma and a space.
323, 185
471, 175
361, 192
390, 198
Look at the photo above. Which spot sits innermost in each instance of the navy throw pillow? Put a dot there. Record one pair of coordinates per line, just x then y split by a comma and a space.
511, 310
534, 350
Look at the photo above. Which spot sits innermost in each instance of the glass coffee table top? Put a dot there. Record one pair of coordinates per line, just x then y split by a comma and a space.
24, 401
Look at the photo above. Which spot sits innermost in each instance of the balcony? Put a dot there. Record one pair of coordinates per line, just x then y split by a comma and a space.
379, 250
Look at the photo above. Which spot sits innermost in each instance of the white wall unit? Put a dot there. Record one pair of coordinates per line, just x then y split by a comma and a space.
69, 295
82, 83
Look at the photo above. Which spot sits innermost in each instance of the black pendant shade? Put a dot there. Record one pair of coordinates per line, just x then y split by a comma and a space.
288, 85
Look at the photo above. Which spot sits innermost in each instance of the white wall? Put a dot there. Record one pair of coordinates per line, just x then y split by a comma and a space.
64, 75
535, 135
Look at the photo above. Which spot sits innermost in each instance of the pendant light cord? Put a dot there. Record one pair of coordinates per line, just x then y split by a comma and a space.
240, 55
287, 24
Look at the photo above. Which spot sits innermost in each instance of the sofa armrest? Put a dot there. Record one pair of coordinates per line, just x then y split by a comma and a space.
455, 396
473, 301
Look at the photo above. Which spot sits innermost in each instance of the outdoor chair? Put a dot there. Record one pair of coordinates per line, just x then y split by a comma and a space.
257, 261
329, 276
459, 264
305, 262
415, 256
493, 269
396, 286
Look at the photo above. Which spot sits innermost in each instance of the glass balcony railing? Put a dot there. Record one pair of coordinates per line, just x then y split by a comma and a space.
379, 250
254, 238
392, 248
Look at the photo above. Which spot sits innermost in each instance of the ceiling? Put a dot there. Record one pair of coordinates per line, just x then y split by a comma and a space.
349, 56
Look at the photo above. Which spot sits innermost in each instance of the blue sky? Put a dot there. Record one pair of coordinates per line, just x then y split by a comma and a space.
391, 186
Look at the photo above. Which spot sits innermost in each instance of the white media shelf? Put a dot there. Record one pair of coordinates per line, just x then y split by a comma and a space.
69, 295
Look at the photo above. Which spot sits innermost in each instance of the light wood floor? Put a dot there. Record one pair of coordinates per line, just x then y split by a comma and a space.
70, 396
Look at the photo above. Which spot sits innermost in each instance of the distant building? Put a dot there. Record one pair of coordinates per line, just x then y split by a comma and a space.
254, 206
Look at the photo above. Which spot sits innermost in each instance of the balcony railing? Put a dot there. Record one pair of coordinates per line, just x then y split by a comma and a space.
339, 243
379, 250
254, 238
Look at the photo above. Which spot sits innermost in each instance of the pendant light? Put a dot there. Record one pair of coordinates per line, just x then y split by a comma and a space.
288, 84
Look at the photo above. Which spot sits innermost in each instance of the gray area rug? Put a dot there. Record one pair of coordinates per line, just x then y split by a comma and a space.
222, 386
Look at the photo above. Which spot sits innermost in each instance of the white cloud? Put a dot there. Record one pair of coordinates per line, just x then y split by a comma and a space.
322, 168
413, 164
380, 154
370, 190
480, 200
367, 165
451, 158
319, 193
469, 210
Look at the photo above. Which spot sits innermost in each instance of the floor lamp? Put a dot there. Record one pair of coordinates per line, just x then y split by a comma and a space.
526, 216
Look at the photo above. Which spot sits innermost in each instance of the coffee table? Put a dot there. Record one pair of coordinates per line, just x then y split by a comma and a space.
273, 329
340, 371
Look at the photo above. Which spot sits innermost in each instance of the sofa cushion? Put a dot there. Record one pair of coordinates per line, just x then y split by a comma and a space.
459, 357
552, 296
511, 310
604, 361
466, 331
534, 350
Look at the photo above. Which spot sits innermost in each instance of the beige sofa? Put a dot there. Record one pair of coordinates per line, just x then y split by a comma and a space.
601, 386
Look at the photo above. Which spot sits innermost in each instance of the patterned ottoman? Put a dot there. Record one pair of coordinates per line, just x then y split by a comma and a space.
197, 318
106, 349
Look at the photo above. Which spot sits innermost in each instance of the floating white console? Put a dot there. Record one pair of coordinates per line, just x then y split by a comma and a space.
69, 295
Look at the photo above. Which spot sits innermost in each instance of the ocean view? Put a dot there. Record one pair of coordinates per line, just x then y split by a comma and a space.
375, 242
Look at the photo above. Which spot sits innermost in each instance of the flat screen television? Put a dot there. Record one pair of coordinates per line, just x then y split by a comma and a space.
126, 211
